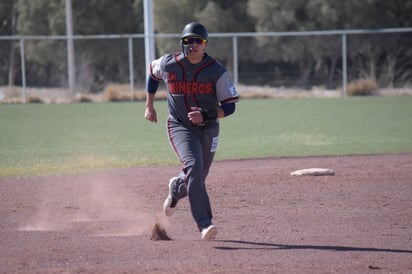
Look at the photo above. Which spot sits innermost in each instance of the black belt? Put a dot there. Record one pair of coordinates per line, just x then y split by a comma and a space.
180, 121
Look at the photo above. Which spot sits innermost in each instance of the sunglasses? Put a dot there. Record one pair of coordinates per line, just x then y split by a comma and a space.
194, 40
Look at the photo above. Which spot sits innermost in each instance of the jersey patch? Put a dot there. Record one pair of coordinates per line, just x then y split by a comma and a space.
215, 141
233, 91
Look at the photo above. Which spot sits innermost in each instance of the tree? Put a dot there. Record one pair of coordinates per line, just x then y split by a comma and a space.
304, 60
311, 54
226, 16
308, 53
45, 59
103, 61
97, 60
165, 21
7, 48
216, 15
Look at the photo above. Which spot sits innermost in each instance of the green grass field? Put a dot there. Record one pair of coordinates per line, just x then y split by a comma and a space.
40, 139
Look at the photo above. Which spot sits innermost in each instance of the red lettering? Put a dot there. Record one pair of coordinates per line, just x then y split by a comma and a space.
171, 76
183, 87
209, 88
180, 87
195, 87
188, 88
172, 86
201, 88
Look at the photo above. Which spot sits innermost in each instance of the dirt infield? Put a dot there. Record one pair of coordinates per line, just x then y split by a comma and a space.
356, 221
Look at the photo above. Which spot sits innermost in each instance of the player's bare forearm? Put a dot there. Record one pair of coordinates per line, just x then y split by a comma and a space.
150, 99
150, 112
220, 113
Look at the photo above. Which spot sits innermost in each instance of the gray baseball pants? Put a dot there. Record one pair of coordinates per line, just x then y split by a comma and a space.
195, 147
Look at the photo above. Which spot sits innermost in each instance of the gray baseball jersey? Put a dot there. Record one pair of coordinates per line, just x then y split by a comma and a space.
204, 85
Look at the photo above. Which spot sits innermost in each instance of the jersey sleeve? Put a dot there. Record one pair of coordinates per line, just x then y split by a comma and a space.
225, 89
156, 69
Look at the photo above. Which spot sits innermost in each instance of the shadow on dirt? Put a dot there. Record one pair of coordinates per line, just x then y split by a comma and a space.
268, 246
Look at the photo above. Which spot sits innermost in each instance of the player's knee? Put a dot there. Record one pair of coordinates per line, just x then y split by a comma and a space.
194, 172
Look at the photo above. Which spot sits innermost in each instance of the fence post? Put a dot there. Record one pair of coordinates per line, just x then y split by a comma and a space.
148, 34
235, 61
70, 46
131, 69
23, 69
344, 66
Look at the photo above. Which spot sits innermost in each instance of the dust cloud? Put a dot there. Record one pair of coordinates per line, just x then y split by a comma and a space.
100, 208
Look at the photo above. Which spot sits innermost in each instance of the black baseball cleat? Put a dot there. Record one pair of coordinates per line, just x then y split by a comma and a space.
169, 205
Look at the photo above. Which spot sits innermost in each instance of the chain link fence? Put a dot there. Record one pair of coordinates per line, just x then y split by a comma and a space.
326, 59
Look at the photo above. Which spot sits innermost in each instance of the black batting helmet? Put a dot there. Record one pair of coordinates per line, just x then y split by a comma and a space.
194, 29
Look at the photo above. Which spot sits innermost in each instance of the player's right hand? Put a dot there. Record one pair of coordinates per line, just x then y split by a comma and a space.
150, 114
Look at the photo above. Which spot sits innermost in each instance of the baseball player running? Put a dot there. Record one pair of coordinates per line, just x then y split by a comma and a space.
200, 91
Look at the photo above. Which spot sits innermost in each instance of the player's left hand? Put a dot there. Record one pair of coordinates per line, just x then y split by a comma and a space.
195, 116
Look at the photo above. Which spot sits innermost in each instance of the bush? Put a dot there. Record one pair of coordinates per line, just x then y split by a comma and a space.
35, 100
117, 93
121, 93
362, 87
83, 98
